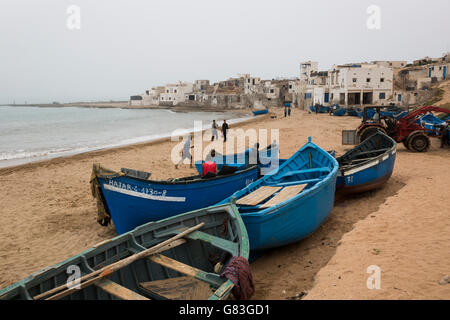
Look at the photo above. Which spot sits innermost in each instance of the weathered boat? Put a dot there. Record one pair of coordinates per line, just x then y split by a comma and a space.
339, 112
290, 203
263, 158
174, 258
260, 112
430, 123
367, 166
132, 201
321, 109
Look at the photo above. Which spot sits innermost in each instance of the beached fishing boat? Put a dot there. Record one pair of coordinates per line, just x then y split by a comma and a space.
260, 112
131, 201
367, 166
174, 258
430, 123
339, 112
290, 203
322, 109
243, 159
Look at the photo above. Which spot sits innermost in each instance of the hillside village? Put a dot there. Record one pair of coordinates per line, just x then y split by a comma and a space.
381, 83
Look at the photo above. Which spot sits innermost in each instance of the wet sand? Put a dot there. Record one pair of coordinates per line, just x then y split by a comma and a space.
48, 215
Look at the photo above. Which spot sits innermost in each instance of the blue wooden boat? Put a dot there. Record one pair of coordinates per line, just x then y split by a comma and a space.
260, 112
243, 159
367, 166
339, 112
183, 268
322, 109
291, 202
131, 201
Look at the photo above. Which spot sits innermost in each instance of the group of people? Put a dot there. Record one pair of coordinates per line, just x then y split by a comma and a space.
186, 151
224, 130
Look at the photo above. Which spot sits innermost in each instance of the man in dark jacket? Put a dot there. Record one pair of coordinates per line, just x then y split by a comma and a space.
224, 130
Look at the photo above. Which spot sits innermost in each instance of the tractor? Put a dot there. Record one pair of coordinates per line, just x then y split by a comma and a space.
403, 129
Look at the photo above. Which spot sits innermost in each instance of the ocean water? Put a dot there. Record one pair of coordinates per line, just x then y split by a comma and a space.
29, 134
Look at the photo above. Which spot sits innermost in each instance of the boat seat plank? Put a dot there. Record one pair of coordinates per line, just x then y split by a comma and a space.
257, 196
283, 195
119, 291
185, 269
179, 288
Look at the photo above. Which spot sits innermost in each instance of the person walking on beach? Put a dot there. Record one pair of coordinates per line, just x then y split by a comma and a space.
224, 130
186, 152
214, 131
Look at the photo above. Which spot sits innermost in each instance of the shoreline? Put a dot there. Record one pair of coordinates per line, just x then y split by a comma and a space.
124, 105
107, 150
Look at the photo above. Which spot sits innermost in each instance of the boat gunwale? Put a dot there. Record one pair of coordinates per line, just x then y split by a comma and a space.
175, 182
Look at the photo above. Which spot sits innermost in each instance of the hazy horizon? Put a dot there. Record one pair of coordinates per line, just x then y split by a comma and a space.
126, 47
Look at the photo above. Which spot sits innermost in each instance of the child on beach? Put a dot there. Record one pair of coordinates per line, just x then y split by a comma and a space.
186, 152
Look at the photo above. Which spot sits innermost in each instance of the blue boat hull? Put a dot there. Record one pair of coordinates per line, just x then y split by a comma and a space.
132, 202
259, 112
297, 217
339, 112
367, 179
368, 174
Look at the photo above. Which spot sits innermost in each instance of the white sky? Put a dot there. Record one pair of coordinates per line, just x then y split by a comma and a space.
127, 46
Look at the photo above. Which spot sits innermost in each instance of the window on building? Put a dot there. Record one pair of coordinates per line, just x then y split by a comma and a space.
382, 80
368, 80
382, 95
290, 86
354, 79
272, 91
175, 91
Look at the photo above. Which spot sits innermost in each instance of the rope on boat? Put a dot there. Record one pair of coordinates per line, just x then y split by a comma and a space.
239, 272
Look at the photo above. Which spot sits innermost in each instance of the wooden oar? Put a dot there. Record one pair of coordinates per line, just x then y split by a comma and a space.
109, 269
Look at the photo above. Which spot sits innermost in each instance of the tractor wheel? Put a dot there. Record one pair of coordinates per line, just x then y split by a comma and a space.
367, 132
418, 142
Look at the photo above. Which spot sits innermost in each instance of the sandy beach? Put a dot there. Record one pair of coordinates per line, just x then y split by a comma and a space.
48, 214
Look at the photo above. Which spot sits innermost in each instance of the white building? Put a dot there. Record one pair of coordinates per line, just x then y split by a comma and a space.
251, 84
306, 68
175, 93
361, 84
